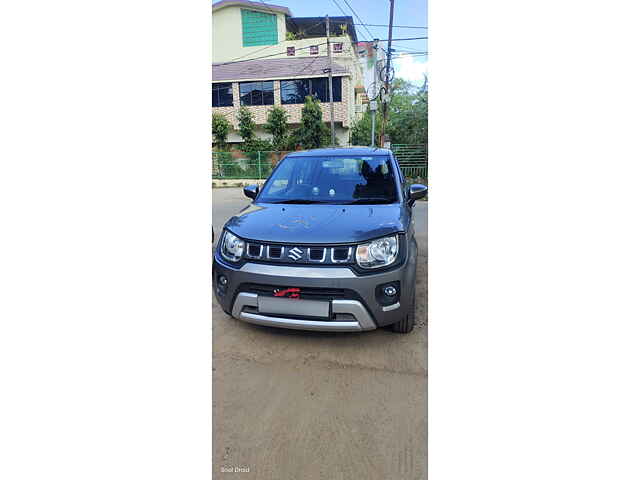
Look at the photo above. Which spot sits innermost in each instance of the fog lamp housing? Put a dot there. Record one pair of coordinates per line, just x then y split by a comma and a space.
388, 293
222, 282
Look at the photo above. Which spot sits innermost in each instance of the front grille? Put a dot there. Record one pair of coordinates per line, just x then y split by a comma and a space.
309, 293
317, 254
254, 251
299, 254
340, 254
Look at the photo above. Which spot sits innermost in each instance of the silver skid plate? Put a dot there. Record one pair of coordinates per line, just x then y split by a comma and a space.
293, 306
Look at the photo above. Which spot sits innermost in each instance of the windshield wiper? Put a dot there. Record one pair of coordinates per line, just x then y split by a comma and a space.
371, 200
300, 201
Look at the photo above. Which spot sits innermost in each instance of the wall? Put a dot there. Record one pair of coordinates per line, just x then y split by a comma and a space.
227, 40
340, 109
342, 120
227, 34
342, 135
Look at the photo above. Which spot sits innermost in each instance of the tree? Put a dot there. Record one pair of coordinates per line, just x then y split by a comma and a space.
312, 132
361, 130
246, 125
408, 113
277, 126
220, 127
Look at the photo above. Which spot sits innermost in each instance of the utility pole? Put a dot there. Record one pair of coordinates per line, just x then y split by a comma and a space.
333, 128
385, 107
373, 105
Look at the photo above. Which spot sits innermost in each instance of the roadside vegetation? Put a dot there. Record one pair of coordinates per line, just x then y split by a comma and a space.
312, 132
220, 128
408, 114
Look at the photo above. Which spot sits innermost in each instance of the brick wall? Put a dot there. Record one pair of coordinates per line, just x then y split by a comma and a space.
342, 111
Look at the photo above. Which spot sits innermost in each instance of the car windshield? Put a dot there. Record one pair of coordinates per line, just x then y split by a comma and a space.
335, 180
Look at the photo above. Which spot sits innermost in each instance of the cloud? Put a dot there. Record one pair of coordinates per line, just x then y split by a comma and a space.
411, 69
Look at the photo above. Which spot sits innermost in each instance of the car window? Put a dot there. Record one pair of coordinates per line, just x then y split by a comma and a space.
282, 182
332, 179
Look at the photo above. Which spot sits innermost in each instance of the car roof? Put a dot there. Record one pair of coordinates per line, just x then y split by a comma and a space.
342, 151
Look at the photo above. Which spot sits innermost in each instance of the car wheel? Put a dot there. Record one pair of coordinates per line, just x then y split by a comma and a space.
406, 324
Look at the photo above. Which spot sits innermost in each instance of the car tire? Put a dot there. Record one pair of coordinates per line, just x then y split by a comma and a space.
406, 324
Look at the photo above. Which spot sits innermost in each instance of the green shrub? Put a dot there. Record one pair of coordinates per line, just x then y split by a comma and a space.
313, 132
246, 125
277, 126
220, 127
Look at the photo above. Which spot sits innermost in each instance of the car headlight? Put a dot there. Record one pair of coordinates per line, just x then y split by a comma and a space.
231, 247
378, 253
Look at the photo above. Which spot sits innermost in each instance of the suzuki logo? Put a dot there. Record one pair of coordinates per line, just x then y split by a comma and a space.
295, 254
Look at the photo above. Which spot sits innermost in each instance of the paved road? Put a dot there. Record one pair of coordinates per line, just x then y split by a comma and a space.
309, 405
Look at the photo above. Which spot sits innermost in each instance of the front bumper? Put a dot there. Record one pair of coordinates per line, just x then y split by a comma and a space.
360, 313
246, 304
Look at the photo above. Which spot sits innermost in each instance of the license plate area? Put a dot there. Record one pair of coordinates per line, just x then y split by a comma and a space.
293, 306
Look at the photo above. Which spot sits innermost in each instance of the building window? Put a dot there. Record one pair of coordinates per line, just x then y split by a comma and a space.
295, 91
258, 28
337, 48
320, 89
291, 51
314, 50
256, 93
222, 94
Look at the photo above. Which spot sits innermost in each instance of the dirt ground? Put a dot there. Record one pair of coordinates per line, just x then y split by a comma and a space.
308, 405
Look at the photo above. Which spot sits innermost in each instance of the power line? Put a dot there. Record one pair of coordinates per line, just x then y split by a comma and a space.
270, 46
341, 9
310, 64
402, 39
345, 14
385, 106
267, 56
378, 24
253, 53
382, 25
412, 50
358, 17
408, 49
397, 52
410, 55
333, 129
276, 13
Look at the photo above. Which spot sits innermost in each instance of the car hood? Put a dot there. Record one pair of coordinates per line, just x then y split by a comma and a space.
315, 224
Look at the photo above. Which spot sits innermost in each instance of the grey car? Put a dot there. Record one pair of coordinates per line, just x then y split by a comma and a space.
327, 244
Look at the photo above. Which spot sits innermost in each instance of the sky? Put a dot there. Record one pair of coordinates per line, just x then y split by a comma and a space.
406, 12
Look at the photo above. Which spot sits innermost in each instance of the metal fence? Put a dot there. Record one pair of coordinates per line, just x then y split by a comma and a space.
244, 165
412, 159
258, 165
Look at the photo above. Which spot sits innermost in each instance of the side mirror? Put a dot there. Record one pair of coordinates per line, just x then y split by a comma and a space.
251, 191
416, 192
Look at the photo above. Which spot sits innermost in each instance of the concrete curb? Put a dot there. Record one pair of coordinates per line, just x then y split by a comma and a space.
235, 183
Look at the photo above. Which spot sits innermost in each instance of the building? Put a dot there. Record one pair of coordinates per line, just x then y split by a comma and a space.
372, 61
265, 57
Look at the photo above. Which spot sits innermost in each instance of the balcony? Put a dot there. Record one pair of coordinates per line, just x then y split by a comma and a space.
314, 27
